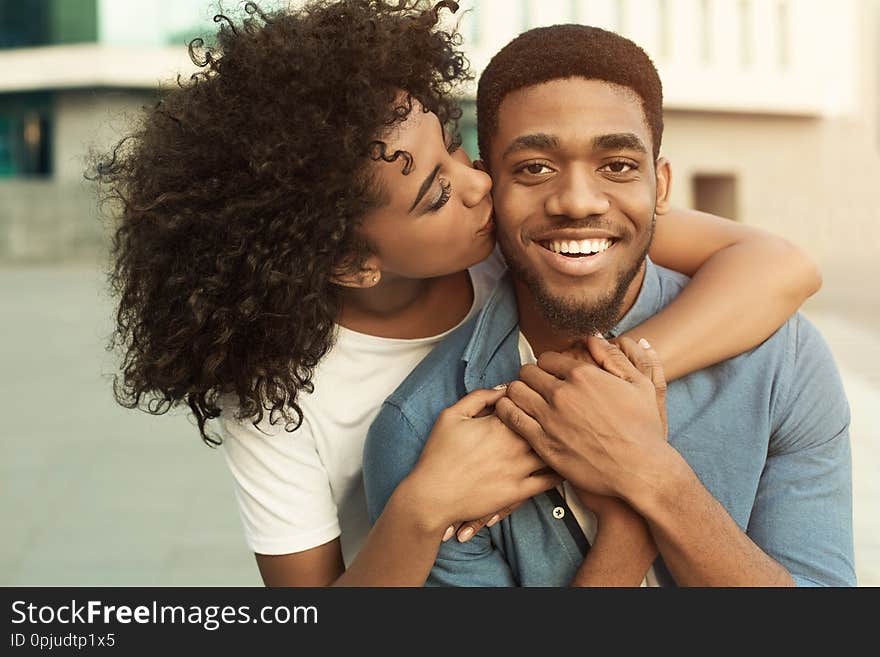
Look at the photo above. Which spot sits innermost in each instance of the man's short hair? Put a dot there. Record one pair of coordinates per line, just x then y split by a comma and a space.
563, 51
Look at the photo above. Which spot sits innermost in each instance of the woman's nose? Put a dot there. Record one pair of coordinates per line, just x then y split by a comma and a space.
476, 184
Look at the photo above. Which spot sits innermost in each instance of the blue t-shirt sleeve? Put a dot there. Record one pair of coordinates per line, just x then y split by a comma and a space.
392, 448
802, 515
476, 562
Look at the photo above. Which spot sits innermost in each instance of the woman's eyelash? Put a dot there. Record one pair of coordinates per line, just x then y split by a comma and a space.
445, 193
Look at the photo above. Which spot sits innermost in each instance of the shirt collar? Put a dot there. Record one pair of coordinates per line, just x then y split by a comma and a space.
495, 323
499, 319
648, 302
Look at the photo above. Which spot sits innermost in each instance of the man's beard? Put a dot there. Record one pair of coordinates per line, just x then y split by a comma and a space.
568, 315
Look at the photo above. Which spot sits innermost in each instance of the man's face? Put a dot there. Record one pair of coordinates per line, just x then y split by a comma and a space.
575, 190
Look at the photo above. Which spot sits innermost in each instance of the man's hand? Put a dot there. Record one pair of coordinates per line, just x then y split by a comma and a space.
598, 425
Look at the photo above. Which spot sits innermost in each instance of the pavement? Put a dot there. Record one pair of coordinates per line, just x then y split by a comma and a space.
97, 495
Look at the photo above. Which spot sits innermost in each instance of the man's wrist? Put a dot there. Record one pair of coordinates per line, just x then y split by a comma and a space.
664, 479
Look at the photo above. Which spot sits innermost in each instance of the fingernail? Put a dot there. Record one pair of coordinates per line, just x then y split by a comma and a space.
465, 534
449, 532
500, 386
493, 520
644, 343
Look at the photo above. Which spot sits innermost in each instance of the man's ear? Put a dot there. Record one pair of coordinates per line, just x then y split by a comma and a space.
367, 275
664, 184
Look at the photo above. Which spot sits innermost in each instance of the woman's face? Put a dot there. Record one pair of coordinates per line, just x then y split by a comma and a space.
438, 219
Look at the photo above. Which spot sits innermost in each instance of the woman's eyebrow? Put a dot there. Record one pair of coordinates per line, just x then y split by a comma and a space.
425, 186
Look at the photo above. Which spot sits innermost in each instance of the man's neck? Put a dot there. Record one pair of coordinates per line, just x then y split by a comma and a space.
542, 336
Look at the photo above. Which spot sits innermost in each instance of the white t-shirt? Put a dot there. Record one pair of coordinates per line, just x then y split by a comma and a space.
585, 518
298, 490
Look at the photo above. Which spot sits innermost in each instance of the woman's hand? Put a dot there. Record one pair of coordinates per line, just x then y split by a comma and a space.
472, 466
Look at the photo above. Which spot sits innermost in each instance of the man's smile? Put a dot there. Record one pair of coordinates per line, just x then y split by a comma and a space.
576, 252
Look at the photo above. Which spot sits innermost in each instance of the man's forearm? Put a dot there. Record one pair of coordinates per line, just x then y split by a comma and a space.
621, 555
699, 541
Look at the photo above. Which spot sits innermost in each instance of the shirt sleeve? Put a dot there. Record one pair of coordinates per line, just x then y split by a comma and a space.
391, 451
802, 515
281, 486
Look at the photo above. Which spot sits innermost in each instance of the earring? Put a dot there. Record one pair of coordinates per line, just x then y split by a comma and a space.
375, 278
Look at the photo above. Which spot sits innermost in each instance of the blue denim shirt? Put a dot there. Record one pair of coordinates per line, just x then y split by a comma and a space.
766, 432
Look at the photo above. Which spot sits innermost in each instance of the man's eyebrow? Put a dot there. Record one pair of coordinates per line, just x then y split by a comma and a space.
538, 140
621, 141
426, 185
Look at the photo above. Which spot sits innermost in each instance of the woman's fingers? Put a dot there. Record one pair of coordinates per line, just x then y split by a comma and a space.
469, 529
658, 378
537, 482
646, 360
474, 403
611, 359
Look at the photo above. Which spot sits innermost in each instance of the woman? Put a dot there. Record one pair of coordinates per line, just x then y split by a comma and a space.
298, 229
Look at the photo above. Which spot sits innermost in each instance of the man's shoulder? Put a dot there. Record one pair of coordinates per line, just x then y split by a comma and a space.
437, 381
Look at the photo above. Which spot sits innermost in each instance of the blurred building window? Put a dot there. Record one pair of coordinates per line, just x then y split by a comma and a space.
716, 194
782, 35
620, 25
706, 30
664, 25
28, 23
525, 12
25, 135
470, 21
745, 33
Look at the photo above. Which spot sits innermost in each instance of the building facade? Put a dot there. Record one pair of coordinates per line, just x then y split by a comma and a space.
772, 106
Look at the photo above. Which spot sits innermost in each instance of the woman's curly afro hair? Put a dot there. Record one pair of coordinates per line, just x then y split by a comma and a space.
240, 195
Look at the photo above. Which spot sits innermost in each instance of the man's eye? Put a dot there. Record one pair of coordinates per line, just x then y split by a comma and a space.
536, 169
620, 167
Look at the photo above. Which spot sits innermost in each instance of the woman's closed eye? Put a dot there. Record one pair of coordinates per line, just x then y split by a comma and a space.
444, 191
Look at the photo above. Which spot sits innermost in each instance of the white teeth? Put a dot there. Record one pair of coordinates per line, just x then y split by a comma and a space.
580, 246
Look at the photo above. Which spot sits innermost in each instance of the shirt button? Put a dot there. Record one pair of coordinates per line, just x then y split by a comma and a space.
558, 512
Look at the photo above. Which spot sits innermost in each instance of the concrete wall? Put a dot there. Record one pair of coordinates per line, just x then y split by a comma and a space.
814, 180
57, 218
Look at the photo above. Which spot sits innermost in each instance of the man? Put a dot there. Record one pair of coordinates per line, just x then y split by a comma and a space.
753, 486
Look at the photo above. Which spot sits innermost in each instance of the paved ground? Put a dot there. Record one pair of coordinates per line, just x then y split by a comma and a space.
93, 494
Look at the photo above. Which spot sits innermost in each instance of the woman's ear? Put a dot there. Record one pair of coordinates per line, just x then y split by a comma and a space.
664, 184
367, 275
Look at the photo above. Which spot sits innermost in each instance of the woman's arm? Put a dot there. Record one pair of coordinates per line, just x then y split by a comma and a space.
746, 282
471, 466
399, 551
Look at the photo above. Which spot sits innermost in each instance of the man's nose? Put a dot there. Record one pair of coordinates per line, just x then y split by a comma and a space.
577, 195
